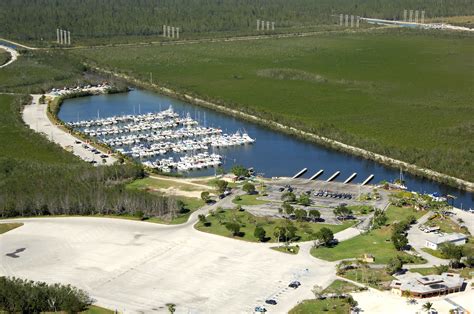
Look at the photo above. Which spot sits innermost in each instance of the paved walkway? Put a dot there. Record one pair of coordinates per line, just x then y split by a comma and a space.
13, 53
35, 116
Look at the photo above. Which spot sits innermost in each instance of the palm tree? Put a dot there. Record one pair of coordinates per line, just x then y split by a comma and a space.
427, 306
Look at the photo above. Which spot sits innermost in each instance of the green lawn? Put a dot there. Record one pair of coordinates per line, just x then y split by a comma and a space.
248, 200
397, 214
5, 227
306, 231
376, 242
93, 309
376, 278
403, 93
333, 306
464, 272
341, 286
435, 253
291, 249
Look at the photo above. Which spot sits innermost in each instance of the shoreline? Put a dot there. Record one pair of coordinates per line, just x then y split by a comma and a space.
329, 143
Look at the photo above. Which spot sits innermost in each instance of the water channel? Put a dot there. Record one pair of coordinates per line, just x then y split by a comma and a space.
273, 154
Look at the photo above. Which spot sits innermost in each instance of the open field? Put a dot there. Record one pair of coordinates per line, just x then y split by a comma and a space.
248, 200
334, 306
306, 230
376, 242
4, 56
37, 71
17, 141
134, 266
463, 20
357, 88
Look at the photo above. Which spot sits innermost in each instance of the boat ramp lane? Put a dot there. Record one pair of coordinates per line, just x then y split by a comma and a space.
333, 176
299, 174
350, 178
317, 174
369, 178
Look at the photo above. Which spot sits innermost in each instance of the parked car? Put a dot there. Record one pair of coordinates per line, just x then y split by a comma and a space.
271, 301
260, 309
294, 284
104, 156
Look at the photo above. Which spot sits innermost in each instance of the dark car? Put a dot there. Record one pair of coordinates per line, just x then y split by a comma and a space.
294, 284
260, 309
271, 301
104, 156
281, 189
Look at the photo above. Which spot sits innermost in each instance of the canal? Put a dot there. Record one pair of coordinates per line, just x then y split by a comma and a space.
273, 154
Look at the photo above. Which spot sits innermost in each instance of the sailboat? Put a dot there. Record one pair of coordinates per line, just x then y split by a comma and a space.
400, 182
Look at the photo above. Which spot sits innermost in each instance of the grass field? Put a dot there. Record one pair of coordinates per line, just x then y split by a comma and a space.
4, 56
376, 242
290, 249
406, 94
341, 286
164, 184
376, 278
93, 309
5, 227
464, 272
248, 200
19, 142
333, 306
36, 71
248, 222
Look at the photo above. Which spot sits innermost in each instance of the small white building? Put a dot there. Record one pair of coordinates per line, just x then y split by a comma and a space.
454, 238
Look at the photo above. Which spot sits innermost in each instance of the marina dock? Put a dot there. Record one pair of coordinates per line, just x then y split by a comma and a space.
350, 178
369, 178
299, 174
333, 176
317, 174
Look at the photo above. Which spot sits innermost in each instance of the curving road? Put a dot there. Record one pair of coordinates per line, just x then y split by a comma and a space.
14, 55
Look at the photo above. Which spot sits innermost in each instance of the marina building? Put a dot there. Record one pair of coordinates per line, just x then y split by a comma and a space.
436, 240
428, 286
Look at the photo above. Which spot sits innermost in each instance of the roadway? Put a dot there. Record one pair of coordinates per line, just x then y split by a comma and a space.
36, 117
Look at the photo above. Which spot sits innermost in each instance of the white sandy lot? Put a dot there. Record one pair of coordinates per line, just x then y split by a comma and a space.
139, 267
386, 302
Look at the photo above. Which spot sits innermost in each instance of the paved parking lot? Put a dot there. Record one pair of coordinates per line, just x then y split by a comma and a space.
139, 267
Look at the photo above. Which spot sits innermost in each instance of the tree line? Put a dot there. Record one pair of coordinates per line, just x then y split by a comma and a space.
25, 296
38, 19
29, 188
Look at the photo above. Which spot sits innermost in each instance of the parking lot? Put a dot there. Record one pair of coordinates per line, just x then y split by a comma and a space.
326, 194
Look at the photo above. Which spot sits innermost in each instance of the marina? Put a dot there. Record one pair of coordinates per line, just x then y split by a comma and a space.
150, 136
274, 154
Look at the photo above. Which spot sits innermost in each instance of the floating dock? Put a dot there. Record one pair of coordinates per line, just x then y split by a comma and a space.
317, 174
299, 174
333, 176
367, 180
350, 178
